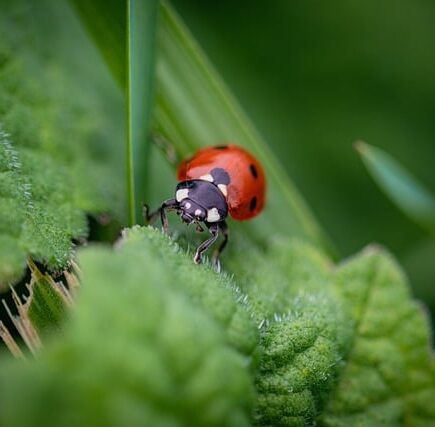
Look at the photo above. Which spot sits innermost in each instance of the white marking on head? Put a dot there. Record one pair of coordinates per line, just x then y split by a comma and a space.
181, 194
198, 212
207, 177
187, 205
213, 215
223, 189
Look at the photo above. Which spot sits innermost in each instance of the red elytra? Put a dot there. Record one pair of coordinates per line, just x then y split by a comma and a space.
246, 191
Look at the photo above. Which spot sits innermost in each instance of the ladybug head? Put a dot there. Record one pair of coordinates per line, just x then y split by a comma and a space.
200, 201
190, 211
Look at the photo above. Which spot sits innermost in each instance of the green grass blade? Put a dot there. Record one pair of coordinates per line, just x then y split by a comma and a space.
125, 32
141, 30
194, 108
409, 195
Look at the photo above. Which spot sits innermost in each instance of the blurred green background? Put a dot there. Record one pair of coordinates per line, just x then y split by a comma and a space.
317, 76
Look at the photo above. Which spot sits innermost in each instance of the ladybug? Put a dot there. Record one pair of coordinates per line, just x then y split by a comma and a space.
216, 181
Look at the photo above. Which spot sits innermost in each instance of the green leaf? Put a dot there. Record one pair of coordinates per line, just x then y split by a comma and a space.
36, 219
412, 197
39, 312
306, 330
147, 337
194, 108
338, 346
57, 136
217, 294
141, 31
389, 377
13, 259
47, 303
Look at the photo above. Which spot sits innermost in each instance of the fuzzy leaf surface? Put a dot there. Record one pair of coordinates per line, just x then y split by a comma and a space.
306, 330
321, 344
339, 346
147, 337
57, 136
389, 375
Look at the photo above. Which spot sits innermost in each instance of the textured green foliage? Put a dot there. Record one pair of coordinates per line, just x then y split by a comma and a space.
47, 303
153, 340
389, 377
306, 330
38, 312
336, 346
56, 136
36, 216
217, 294
343, 346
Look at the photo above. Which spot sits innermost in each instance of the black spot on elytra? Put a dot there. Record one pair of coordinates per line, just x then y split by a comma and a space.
220, 176
253, 170
253, 204
221, 147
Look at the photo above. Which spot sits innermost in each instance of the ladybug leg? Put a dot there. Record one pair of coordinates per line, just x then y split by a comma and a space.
148, 217
169, 204
224, 229
214, 230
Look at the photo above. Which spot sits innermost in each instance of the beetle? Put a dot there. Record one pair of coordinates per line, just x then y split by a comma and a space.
214, 182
